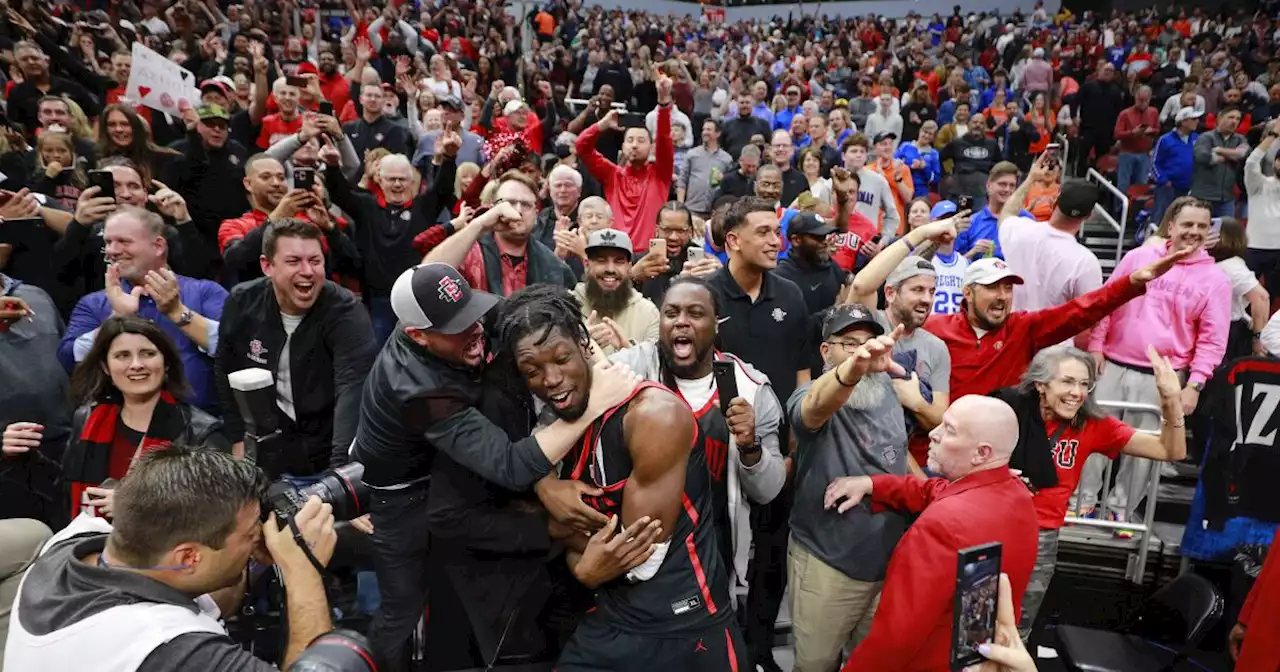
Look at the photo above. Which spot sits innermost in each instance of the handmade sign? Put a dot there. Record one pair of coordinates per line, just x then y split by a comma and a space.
159, 83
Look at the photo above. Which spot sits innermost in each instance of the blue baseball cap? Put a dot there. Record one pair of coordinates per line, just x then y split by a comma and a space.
943, 209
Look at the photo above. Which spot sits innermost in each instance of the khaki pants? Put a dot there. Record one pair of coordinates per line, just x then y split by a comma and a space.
20, 542
1118, 383
829, 610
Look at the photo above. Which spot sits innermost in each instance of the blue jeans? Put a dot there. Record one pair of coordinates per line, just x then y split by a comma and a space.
1165, 195
1224, 208
383, 318
1132, 169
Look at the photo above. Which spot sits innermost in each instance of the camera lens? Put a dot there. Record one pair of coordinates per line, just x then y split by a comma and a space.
336, 651
343, 488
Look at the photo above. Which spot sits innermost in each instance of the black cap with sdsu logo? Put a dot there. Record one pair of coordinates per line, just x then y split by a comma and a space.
435, 297
1077, 198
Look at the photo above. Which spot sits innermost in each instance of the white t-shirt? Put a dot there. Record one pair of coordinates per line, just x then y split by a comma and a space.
1054, 266
284, 373
1242, 282
950, 282
697, 391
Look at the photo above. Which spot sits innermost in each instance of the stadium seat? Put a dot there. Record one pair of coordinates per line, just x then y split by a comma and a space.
1168, 628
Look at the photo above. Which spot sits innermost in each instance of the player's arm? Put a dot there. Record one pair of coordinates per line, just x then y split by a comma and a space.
659, 431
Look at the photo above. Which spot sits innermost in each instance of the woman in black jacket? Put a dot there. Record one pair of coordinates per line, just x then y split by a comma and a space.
128, 388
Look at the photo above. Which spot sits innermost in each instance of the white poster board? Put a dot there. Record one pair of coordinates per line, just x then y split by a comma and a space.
159, 83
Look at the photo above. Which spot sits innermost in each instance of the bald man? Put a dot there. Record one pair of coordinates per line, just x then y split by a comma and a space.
976, 501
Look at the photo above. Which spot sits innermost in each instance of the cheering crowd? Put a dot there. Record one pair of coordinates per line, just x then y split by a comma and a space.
637, 330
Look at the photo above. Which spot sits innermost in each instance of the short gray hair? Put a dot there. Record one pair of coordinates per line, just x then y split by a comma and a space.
1043, 368
563, 171
392, 160
750, 152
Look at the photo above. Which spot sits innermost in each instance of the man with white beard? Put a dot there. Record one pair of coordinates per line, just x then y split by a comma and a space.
848, 422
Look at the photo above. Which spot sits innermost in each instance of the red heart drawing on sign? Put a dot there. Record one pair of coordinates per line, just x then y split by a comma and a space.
143, 91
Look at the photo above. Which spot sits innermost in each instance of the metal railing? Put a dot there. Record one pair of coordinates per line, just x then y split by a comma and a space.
1061, 139
1134, 571
1123, 198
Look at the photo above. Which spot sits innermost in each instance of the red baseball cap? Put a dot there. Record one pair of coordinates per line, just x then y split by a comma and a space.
308, 68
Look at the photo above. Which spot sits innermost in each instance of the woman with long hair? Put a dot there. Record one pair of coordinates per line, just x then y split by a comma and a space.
1250, 302
128, 388
810, 163
124, 133
1060, 426
1045, 119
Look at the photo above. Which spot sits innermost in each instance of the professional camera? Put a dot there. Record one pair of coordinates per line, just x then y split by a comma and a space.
342, 488
336, 651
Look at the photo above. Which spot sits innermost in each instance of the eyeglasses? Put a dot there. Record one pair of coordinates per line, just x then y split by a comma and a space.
1087, 385
673, 230
518, 204
848, 346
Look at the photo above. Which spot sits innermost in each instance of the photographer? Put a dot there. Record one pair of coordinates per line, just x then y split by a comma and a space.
146, 593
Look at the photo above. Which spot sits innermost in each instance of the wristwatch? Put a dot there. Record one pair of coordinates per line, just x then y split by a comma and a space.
185, 317
754, 448
1198, 387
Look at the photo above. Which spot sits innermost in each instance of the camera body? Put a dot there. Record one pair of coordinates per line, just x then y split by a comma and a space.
342, 488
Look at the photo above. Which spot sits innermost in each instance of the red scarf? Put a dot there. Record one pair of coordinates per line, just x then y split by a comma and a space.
89, 460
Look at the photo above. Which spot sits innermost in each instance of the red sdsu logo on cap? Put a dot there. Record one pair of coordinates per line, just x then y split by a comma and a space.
449, 290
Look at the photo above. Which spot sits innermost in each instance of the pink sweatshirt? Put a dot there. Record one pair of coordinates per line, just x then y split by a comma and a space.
1185, 313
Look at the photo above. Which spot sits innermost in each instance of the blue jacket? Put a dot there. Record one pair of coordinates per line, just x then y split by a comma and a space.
985, 225
923, 178
201, 296
1174, 160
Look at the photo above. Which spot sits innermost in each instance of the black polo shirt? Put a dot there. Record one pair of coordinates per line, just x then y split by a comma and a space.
771, 334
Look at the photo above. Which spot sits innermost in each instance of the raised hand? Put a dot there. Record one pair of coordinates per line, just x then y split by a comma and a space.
169, 202
874, 356
1160, 266
122, 303
610, 121
162, 286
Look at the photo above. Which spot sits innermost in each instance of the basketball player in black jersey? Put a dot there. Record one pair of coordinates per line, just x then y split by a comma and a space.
673, 611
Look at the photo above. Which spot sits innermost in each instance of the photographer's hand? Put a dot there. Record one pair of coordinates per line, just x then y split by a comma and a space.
305, 600
315, 524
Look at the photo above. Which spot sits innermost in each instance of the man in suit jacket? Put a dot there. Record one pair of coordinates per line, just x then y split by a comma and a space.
977, 501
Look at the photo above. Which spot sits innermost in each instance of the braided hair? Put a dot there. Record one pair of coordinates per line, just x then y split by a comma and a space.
537, 309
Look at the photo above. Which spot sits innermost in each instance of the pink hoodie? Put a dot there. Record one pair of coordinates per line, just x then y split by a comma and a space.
1185, 313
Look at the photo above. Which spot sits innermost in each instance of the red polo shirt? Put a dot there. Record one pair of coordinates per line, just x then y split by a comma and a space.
980, 364
336, 89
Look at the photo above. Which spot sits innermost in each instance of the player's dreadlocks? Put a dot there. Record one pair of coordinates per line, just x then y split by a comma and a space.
542, 310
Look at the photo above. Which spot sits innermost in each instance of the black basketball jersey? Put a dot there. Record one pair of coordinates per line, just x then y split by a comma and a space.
712, 451
1238, 473
691, 588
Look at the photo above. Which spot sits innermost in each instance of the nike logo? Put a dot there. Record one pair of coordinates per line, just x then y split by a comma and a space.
722, 320
814, 287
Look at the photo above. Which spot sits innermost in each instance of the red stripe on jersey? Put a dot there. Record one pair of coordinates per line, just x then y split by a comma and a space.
699, 574
688, 508
733, 655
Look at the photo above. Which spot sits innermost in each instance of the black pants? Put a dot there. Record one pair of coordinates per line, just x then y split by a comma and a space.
597, 646
767, 572
1266, 264
1099, 140
400, 546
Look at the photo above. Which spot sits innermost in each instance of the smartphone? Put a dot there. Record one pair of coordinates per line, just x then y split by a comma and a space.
658, 246
695, 254
726, 383
105, 181
304, 178
964, 202
25, 234
1215, 225
300, 82
977, 594
326, 108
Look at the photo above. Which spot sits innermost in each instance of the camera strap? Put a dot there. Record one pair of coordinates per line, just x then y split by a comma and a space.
306, 547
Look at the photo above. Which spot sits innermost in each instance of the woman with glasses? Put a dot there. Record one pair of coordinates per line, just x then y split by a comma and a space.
1060, 426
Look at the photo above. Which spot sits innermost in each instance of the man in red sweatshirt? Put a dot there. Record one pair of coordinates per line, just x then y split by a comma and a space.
636, 189
991, 345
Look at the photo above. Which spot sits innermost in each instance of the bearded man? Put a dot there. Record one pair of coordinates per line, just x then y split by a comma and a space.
847, 422
617, 315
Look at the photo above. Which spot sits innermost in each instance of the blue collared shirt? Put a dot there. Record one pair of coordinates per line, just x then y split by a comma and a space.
984, 226
201, 296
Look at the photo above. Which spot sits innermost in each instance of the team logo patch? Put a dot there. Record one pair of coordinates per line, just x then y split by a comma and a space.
999, 344
890, 455
779, 314
378, 137
686, 605
257, 353
235, 160
450, 291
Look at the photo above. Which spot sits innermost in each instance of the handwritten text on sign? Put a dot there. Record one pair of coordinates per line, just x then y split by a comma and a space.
159, 83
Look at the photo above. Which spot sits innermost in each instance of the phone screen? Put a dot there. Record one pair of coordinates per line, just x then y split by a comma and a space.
326, 108
976, 597
1215, 225
964, 203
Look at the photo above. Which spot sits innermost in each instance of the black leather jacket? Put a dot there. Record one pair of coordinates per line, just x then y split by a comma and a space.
199, 430
415, 404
